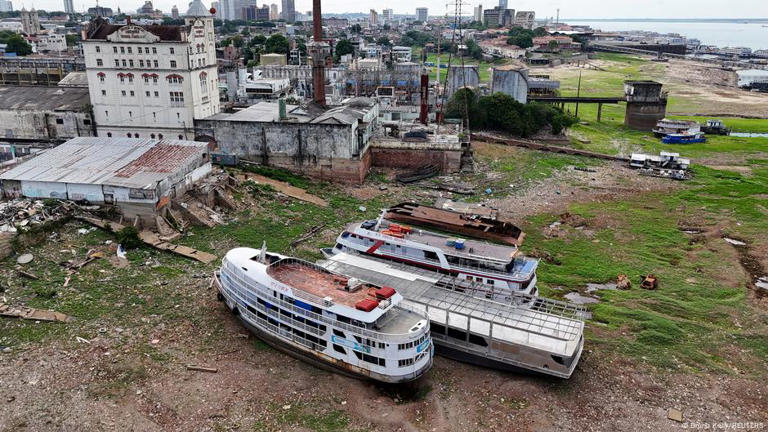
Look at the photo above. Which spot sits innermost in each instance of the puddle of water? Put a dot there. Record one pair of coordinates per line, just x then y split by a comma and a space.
734, 241
749, 135
580, 299
592, 287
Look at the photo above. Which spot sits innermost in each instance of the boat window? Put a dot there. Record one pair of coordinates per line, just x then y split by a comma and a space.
244, 269
339, 333
339, 349
430, 255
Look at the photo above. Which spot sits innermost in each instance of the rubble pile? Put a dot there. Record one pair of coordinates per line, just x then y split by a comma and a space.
25, 212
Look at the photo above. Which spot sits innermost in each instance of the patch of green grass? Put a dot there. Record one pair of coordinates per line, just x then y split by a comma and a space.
691, 319
301, 415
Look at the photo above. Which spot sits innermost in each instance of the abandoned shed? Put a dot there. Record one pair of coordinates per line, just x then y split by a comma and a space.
326, 143
138, 176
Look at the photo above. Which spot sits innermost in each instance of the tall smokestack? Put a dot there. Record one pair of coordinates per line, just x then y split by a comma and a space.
318, 60
424, 113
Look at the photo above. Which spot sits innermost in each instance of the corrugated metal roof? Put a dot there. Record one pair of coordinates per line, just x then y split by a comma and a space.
36, 98
128, 162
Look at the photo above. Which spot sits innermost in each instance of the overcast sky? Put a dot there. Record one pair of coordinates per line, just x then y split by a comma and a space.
543, 8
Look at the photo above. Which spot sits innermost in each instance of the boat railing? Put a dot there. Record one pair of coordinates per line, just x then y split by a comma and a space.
237, 276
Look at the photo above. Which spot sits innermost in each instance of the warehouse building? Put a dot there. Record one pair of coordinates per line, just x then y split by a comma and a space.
138, 176
329, 144
53, 114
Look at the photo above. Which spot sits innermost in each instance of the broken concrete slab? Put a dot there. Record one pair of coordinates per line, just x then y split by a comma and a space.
29, 313
154, 240
675, 414
286, 188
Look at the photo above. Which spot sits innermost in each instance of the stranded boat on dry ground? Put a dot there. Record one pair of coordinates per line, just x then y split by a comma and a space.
488, 227
530, 334
325, 318
477, 261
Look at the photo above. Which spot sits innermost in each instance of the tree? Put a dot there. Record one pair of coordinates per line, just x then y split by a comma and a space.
355, 28
16, 43
540, 31
245, 31
552, 45
520, 37
238, 42
72, 39
386, 27
259, 39
343, 47
277, 43
474, 50
383, 41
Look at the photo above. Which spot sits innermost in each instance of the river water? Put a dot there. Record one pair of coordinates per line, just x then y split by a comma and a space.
721, 34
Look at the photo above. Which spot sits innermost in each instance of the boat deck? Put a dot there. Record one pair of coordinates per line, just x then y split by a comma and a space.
317, 282
472, 248
548, 325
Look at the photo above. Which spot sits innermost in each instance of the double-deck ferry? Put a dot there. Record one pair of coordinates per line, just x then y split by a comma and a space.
325, 318
499, 267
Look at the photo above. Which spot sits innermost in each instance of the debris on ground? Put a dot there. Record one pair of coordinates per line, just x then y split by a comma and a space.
308, 235
649, 282
29, 313
26, 274
623, 282
25, 258
666, 164
154, 240
201, 368
675, 414
421, 173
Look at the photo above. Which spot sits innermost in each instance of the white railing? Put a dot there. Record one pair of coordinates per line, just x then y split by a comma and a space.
232, 272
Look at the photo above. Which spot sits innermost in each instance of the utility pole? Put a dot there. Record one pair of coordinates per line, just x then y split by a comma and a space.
578, 94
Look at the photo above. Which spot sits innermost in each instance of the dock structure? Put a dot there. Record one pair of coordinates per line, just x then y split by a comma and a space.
528, 333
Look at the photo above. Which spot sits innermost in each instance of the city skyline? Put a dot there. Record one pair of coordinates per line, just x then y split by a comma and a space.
586, 9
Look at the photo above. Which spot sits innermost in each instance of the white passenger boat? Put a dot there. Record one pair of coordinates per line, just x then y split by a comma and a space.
325, 318
500, 268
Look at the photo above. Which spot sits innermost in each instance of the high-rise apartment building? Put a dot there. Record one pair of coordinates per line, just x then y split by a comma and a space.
289, 11
69, 6
422, 14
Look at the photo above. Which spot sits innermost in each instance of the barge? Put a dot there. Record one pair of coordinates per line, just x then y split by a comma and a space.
541, 336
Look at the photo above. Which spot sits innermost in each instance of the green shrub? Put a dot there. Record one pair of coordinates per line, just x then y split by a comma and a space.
129, 237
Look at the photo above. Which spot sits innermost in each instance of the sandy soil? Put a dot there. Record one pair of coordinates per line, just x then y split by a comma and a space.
57, 388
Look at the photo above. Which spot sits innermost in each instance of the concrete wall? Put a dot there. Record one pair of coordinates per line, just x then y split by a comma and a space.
44, 125
459, 77
329, 152
510, 82
449, 161
644, 115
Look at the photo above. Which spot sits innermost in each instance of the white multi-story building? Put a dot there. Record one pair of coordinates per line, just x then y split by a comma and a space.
152, 81
69, 6
387, 16
51, 42
6, 6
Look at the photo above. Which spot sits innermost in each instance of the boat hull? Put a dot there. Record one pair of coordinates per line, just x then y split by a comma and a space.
465, 356
314, 358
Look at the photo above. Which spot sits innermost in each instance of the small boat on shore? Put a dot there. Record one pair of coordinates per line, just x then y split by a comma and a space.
325, 318
683, 138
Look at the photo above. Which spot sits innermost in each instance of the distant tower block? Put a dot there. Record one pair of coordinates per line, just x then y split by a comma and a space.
646, 104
